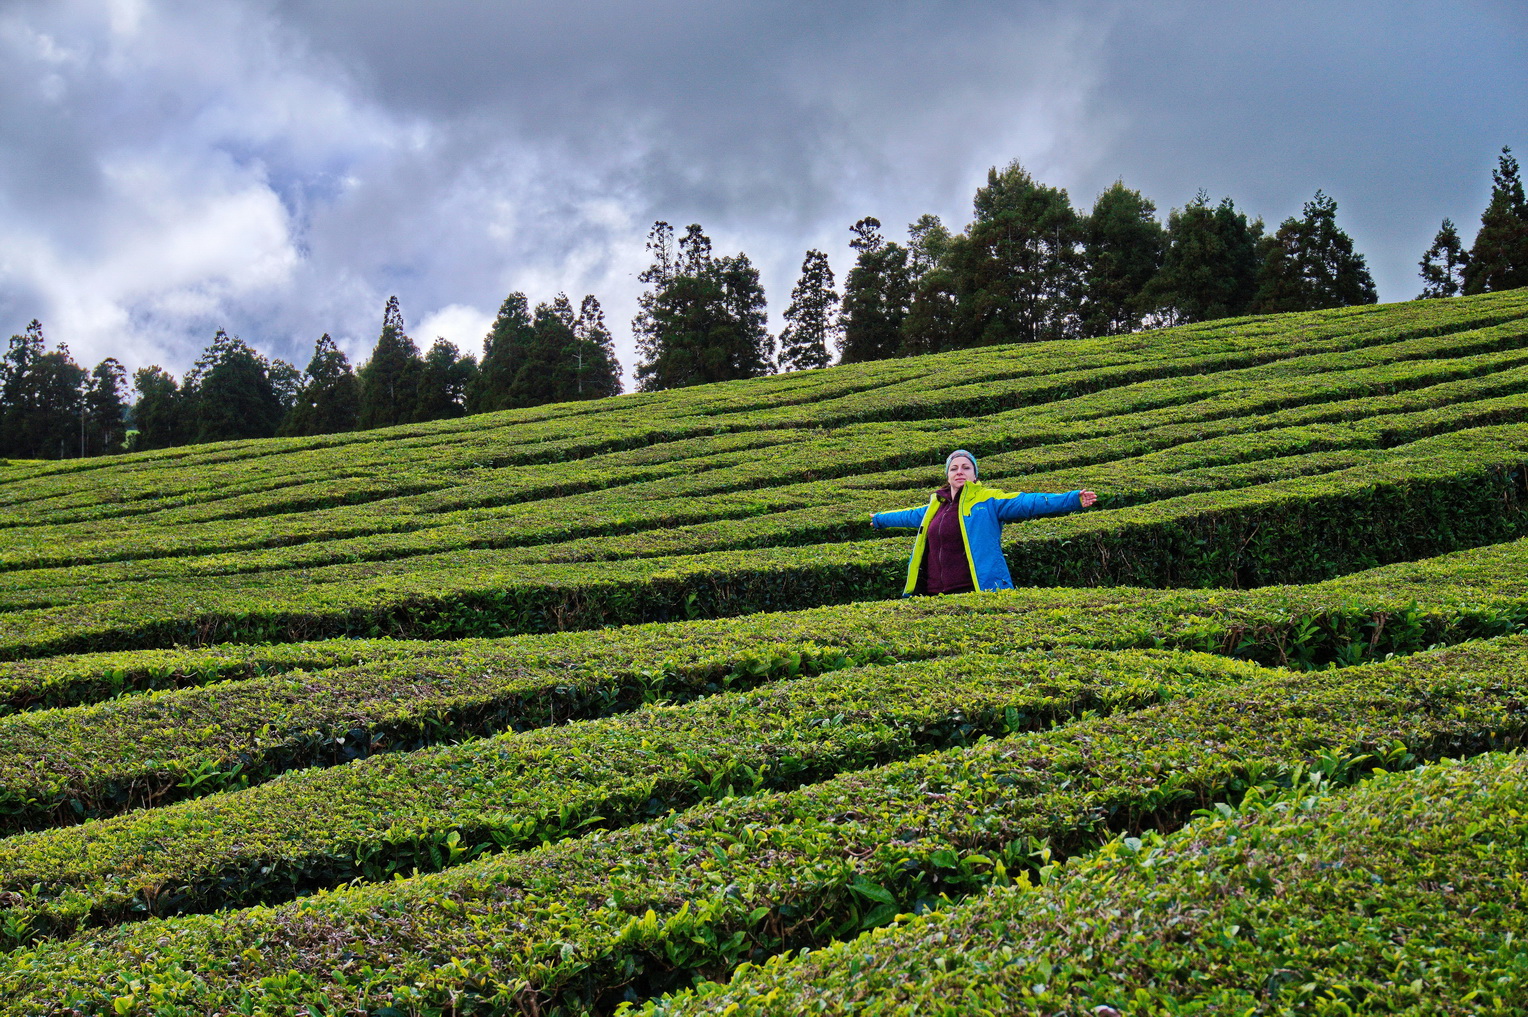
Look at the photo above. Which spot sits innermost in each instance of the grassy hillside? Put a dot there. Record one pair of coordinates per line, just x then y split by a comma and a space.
342, 725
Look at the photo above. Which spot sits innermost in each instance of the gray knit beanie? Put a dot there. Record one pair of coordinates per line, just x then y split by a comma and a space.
975, 470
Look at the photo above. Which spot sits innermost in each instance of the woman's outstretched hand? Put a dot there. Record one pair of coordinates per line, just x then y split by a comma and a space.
1088, 498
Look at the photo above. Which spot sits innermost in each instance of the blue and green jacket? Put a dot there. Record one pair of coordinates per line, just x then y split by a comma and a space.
983, 511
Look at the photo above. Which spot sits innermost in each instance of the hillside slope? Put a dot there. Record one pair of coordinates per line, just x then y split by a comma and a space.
556, 710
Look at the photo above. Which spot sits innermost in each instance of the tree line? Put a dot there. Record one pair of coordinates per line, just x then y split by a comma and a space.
50, 408
1029, 267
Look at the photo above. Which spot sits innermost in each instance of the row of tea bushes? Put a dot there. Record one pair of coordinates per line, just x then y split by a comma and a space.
156, 744
1409, 336
1237, 400
427, 809
1404, 895
722, 490
1455, 491
584, 923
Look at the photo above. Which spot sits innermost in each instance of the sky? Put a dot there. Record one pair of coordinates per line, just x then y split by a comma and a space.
279, 168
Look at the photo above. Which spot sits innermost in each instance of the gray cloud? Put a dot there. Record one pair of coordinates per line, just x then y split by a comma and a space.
279, 168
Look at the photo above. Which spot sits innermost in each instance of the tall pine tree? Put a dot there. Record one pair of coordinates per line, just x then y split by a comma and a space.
1210, 267
549, 374
1019, 270
160, 414
703, 318
1499, 256
105, 406
1123, 246
877, 296
505, 350
328, 400
1443, 264
596, 371
927, 240
1310, 263
443, 380
933, 312
42, 409
389, 381
811, 320
230, 394
18, 398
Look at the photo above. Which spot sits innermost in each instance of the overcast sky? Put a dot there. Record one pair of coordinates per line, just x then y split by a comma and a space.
278, 168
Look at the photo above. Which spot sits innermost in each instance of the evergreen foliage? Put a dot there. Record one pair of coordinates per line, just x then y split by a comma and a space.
1019, 268
389, 381
286, 382
329, 399
927, 240
160, 413
1499, 257
553, 355
41, 396
1123, 247
443, 380
230, 393
1309, 263
596, 372
1209, 268
505, 350
877, 296
811, 320
105, 409
702, 318
932, 321
549, 373
1443, 264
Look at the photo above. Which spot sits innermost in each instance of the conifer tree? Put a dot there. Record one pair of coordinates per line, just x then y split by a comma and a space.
328, 400
933, 321
105, 404
1020, 270
1123, 247
702, 319
230, 394
41, 399
596, 371
877, 296
505, 350
443, 380
549, 374
286, 382
1210, 267
18, 399
927, 240
389, 381
1309, 263
1443, 264
160, 412
811, 320
1499, 256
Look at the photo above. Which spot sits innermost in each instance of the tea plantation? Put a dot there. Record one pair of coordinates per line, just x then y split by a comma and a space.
614, 706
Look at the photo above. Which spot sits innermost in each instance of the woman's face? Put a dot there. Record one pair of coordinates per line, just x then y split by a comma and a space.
958, 472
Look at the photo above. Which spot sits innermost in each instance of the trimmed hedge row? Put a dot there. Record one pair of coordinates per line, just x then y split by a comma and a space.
1459, 490
1404, 895
1193, 352
583, 924
462, 505
152, 750
430, 809
383, 696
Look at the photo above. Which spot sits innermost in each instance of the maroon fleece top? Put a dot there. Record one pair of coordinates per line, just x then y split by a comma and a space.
946, 569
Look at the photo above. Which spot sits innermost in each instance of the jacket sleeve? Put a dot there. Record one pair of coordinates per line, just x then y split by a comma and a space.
1013, 507
912, 517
